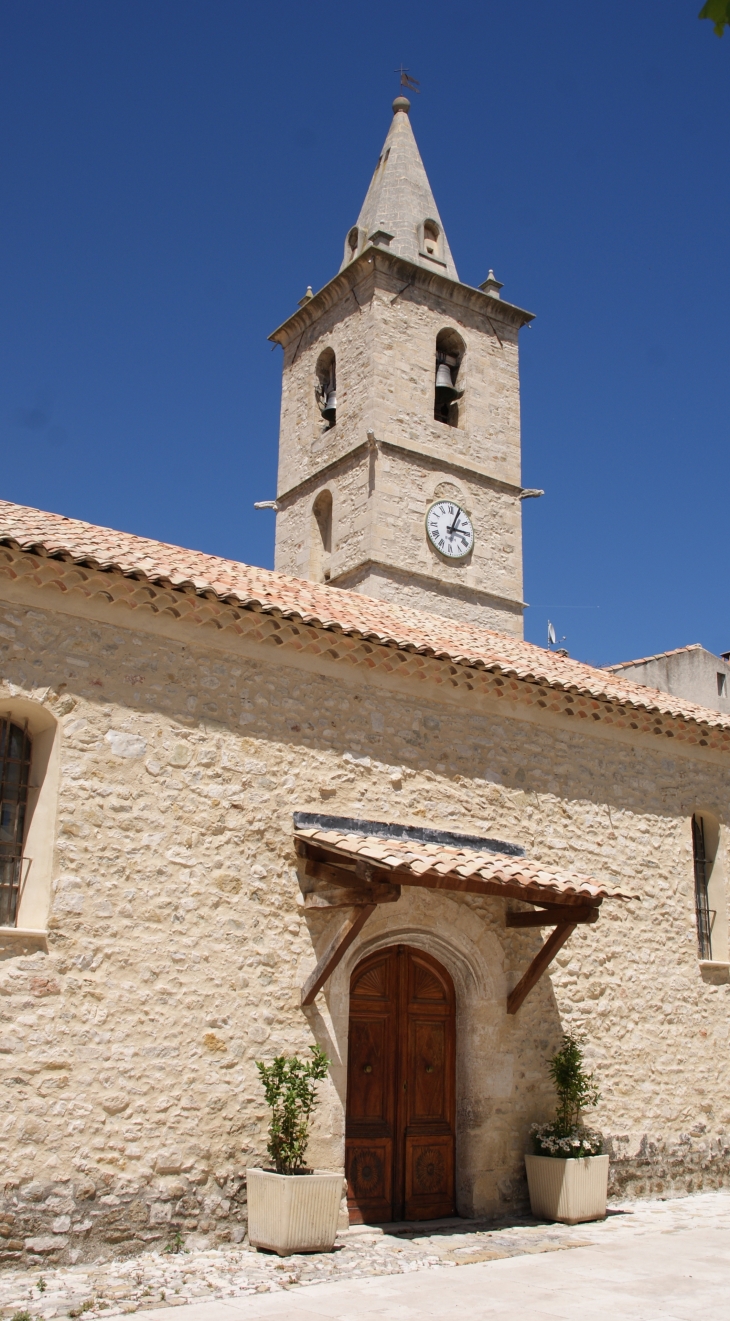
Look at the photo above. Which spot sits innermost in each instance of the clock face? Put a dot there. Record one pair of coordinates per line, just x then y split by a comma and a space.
449, 529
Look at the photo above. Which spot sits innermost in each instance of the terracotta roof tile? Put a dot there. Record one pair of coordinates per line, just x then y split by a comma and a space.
331, 607
420, 859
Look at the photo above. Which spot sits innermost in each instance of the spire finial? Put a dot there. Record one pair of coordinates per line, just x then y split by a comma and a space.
401, 103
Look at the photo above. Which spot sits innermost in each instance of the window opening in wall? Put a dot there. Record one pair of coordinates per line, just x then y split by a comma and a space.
703, 866
326, 386
15, 748
721, 685
449, 354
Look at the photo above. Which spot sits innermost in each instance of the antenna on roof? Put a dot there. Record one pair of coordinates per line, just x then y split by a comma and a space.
412, 84
552, 637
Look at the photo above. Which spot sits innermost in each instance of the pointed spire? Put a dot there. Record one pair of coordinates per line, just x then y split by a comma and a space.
399, 211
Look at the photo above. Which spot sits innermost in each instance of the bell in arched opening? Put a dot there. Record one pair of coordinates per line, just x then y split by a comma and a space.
326, 386
329, 410
449, 353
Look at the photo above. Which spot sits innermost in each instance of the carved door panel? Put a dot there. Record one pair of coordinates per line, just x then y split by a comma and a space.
428, 1096
400, 1088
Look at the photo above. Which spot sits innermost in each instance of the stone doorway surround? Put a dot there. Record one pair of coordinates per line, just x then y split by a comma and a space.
462, 943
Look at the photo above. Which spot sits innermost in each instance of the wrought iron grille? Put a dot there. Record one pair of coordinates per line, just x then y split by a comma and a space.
15, 749
703, 865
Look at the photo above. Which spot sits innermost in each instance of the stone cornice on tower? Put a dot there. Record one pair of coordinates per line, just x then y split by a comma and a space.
380, 260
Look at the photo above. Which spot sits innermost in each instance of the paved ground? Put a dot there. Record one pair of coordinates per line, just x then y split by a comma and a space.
649, 1261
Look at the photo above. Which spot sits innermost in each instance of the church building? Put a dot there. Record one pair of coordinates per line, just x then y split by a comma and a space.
343, 802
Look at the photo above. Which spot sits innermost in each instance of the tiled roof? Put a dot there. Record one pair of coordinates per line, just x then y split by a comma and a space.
441, 861
332, 608
661, 655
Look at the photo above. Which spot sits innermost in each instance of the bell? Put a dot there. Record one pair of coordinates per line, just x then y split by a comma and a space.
329, 412
444, 381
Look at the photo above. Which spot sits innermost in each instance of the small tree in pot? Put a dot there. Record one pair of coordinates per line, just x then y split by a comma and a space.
291, 1093
568, 1174
292, 1209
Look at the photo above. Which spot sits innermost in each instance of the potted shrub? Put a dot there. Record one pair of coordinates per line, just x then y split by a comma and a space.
568, 1175
290, 1208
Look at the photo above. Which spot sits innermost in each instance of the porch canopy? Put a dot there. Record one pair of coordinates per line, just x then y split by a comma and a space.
357, 865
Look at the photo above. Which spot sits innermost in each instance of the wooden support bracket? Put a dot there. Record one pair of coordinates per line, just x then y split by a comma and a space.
541, 961
350, 929
336, 896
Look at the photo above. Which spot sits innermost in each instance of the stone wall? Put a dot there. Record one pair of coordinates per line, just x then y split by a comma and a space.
177, 944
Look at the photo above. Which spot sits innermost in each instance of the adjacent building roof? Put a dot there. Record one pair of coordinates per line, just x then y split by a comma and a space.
399, 198
661, 655
332, 608
444, 866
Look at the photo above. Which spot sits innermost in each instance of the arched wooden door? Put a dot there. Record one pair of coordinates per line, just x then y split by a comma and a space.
400, 1088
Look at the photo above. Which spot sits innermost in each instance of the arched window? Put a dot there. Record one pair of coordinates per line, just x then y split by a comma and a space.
321, 537
710, 901
431, 242
353, 244
447, 392
431, 236
703, 866
325, 387
15, 750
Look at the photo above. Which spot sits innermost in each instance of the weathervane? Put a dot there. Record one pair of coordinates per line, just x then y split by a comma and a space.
412, 84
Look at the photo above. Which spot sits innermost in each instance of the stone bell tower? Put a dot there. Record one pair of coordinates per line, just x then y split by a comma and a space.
400, 400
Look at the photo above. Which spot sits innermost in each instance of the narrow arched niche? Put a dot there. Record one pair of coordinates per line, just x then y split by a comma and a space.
448, 390
325, 386
321, 538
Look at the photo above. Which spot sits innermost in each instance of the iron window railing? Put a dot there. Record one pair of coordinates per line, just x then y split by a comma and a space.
15, 750
703, 866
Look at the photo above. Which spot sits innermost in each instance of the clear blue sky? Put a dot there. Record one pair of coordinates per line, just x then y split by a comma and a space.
176, 172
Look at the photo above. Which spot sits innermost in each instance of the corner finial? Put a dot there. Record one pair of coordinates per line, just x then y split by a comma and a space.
401, 103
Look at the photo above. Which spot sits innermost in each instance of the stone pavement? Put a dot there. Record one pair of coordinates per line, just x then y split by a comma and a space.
649, 1260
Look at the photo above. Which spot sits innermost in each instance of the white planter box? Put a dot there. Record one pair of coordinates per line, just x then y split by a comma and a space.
293, 1212
568, 1189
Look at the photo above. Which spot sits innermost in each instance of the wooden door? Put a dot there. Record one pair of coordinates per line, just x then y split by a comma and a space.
400, 1088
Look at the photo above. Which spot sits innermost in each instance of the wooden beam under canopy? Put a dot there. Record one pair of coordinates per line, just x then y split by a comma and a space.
550, 917
541, 961
340, 942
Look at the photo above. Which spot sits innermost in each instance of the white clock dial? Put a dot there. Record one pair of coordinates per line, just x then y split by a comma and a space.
449, 529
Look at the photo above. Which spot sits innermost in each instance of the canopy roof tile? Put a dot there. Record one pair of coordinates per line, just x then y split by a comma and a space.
446, 862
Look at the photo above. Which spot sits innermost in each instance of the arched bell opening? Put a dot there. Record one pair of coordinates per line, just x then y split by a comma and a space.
325, 387
400, 1137
450, 349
